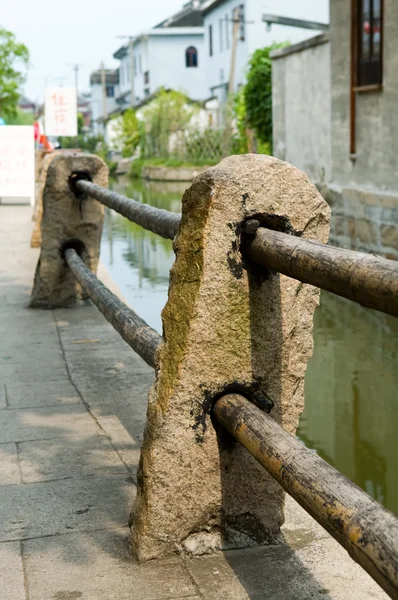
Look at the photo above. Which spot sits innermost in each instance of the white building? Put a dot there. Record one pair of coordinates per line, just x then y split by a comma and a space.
124, 97
104, 89
252, 33
171, 57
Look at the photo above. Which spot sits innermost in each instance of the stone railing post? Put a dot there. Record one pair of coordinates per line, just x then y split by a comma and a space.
228, 326
43, 159
67, 219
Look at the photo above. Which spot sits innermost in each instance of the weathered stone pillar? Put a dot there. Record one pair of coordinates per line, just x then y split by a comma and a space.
228, 326
67, 219
43, 159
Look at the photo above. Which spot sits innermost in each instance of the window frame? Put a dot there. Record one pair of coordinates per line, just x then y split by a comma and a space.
191, 56
242, 28
210, 40
368, 70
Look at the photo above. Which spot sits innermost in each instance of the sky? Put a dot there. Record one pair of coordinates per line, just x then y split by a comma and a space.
60, 33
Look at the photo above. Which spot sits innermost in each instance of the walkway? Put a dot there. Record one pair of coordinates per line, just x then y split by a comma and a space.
72, 411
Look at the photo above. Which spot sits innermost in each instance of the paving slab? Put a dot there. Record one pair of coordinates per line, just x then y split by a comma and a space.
68, 457
310, 565
41, 394
56, 507
12, 586
127, 448
98, 566
3, 396
46, 423
31, 374
9, 465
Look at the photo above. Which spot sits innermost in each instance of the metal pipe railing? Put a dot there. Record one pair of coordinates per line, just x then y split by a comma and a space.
135, 331
159, 221
363, 278
365, 529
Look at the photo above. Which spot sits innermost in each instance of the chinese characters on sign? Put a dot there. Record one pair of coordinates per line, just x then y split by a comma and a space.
61, 112
17, 162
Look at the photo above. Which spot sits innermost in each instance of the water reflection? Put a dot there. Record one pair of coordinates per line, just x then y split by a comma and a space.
351, 408
351, 384
139, 261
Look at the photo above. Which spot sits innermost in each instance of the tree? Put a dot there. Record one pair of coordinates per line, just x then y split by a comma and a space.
128, 132
258, 93
165, 121
13, 57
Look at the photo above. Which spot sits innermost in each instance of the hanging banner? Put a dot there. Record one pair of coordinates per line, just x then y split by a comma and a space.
60, 112
17, 163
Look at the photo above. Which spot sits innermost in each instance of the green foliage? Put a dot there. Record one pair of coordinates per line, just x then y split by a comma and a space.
13, 57
258, 93
21, 118
240, 145
168, 115
128, 133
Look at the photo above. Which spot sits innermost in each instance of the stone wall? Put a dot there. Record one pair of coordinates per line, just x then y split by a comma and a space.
375, 164
311, 106
302, 106
366, 221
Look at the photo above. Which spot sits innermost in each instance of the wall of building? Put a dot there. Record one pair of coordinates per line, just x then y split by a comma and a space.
256, 34
141, 65
218, 65
125, 74
97, 106
375, 163
162, 55
302, 106
168, 67
307, 10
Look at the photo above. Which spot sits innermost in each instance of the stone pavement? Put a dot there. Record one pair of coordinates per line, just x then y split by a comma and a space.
72, 411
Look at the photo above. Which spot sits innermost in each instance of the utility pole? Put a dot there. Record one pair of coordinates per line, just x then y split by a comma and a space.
76, 68
235, 32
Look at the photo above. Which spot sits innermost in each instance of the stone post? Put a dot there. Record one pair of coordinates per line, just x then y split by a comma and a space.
67, 219
43, 159
227, 326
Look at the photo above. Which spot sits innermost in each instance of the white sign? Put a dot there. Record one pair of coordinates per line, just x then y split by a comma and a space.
60, 112
17, 162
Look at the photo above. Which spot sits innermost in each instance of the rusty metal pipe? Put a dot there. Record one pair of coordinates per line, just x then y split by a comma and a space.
364, 278
365, 529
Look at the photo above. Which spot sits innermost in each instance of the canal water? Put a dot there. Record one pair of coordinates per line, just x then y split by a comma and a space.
351, 387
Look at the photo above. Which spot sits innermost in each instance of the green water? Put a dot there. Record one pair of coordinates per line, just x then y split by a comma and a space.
351, 387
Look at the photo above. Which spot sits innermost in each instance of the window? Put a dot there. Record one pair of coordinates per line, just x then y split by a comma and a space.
146, 77
128, 77
369, 26
191, 57
110, 91
221, 35
242, 23
210, 40
146, 92
139, 64
227, 32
